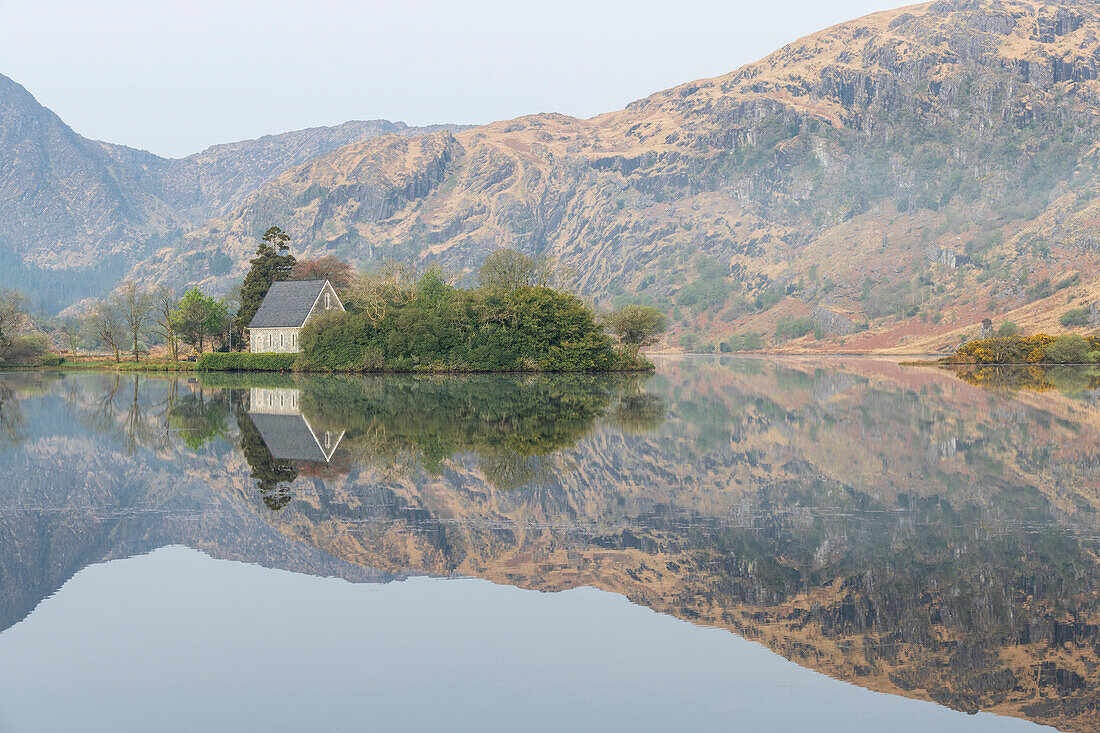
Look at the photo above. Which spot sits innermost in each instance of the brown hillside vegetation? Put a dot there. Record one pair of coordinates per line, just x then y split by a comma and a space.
884, 183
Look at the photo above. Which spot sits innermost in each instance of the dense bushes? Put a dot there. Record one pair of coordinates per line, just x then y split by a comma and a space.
25, 349
1075, 317
245, 361
792, 328
442, 328
1037, 349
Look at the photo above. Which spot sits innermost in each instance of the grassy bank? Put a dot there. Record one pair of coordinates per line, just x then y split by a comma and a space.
105, 365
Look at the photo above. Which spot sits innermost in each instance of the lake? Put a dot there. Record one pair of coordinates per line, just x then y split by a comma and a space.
732, 543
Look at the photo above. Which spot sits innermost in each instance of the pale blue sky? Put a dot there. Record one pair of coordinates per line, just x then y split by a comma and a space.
176, 77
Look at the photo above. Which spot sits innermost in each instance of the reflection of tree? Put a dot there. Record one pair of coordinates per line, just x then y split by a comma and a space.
637, 412
510, 470
1072, 379
272, 477
507, 421
200, 418
134, 412
12, 422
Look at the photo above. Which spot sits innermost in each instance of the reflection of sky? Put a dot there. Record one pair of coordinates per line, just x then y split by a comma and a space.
176, 641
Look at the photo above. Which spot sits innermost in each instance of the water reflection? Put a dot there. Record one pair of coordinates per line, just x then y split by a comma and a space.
901, 529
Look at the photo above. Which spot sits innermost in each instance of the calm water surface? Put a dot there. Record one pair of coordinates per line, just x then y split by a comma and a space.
731, 544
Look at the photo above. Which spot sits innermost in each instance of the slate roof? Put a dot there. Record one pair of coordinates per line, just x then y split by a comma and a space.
287, 304
290, 438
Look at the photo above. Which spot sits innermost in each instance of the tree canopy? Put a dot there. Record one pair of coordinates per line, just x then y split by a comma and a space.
339, 273
637, 325
199, 318
13, 318
272, 262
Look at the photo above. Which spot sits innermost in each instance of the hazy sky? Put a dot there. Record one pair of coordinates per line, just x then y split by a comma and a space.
175, 77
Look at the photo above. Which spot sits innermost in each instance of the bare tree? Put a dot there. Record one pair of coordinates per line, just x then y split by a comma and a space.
70, 331
13, 318
133, 307
163, 304
105, 326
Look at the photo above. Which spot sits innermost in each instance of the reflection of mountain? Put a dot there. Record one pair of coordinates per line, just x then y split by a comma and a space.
902, 530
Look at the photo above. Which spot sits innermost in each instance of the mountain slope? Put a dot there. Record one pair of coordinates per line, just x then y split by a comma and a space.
76, 214
912, 171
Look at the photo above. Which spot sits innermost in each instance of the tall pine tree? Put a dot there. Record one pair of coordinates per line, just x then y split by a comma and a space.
273, 262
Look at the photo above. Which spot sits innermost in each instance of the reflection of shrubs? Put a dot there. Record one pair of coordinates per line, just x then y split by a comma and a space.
1035, 377
638, 412
436, 417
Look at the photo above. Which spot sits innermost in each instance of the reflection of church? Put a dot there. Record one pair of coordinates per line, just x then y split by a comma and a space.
285, 430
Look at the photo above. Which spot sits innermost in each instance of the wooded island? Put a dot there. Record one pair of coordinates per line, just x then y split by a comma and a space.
323, 315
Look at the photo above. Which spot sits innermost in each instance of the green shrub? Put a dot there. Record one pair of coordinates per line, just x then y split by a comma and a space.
1069, 349
443, 328
791, 328
246, 362
26, 349
1075, 317
1008, 328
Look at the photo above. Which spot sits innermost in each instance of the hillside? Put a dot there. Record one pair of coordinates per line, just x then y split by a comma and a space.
76, 214
891, 180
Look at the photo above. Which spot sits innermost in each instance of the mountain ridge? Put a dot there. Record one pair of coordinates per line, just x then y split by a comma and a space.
885, 183
873, 179
78, 213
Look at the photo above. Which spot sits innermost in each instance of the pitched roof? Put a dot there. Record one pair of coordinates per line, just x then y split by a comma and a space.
291, 438
287, 304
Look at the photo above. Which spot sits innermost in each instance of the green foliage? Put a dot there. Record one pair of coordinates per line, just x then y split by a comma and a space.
433, 417
637, 325
1040, 290
1008, 328
506, 270
199, 318
270, 264
244, 361
26, 349
708, 290
1038, 349
443, 328
1075, 317
749, 341
791, 328
1069, 349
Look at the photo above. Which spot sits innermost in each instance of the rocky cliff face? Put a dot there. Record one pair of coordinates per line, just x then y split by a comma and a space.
910, 171
76, 214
